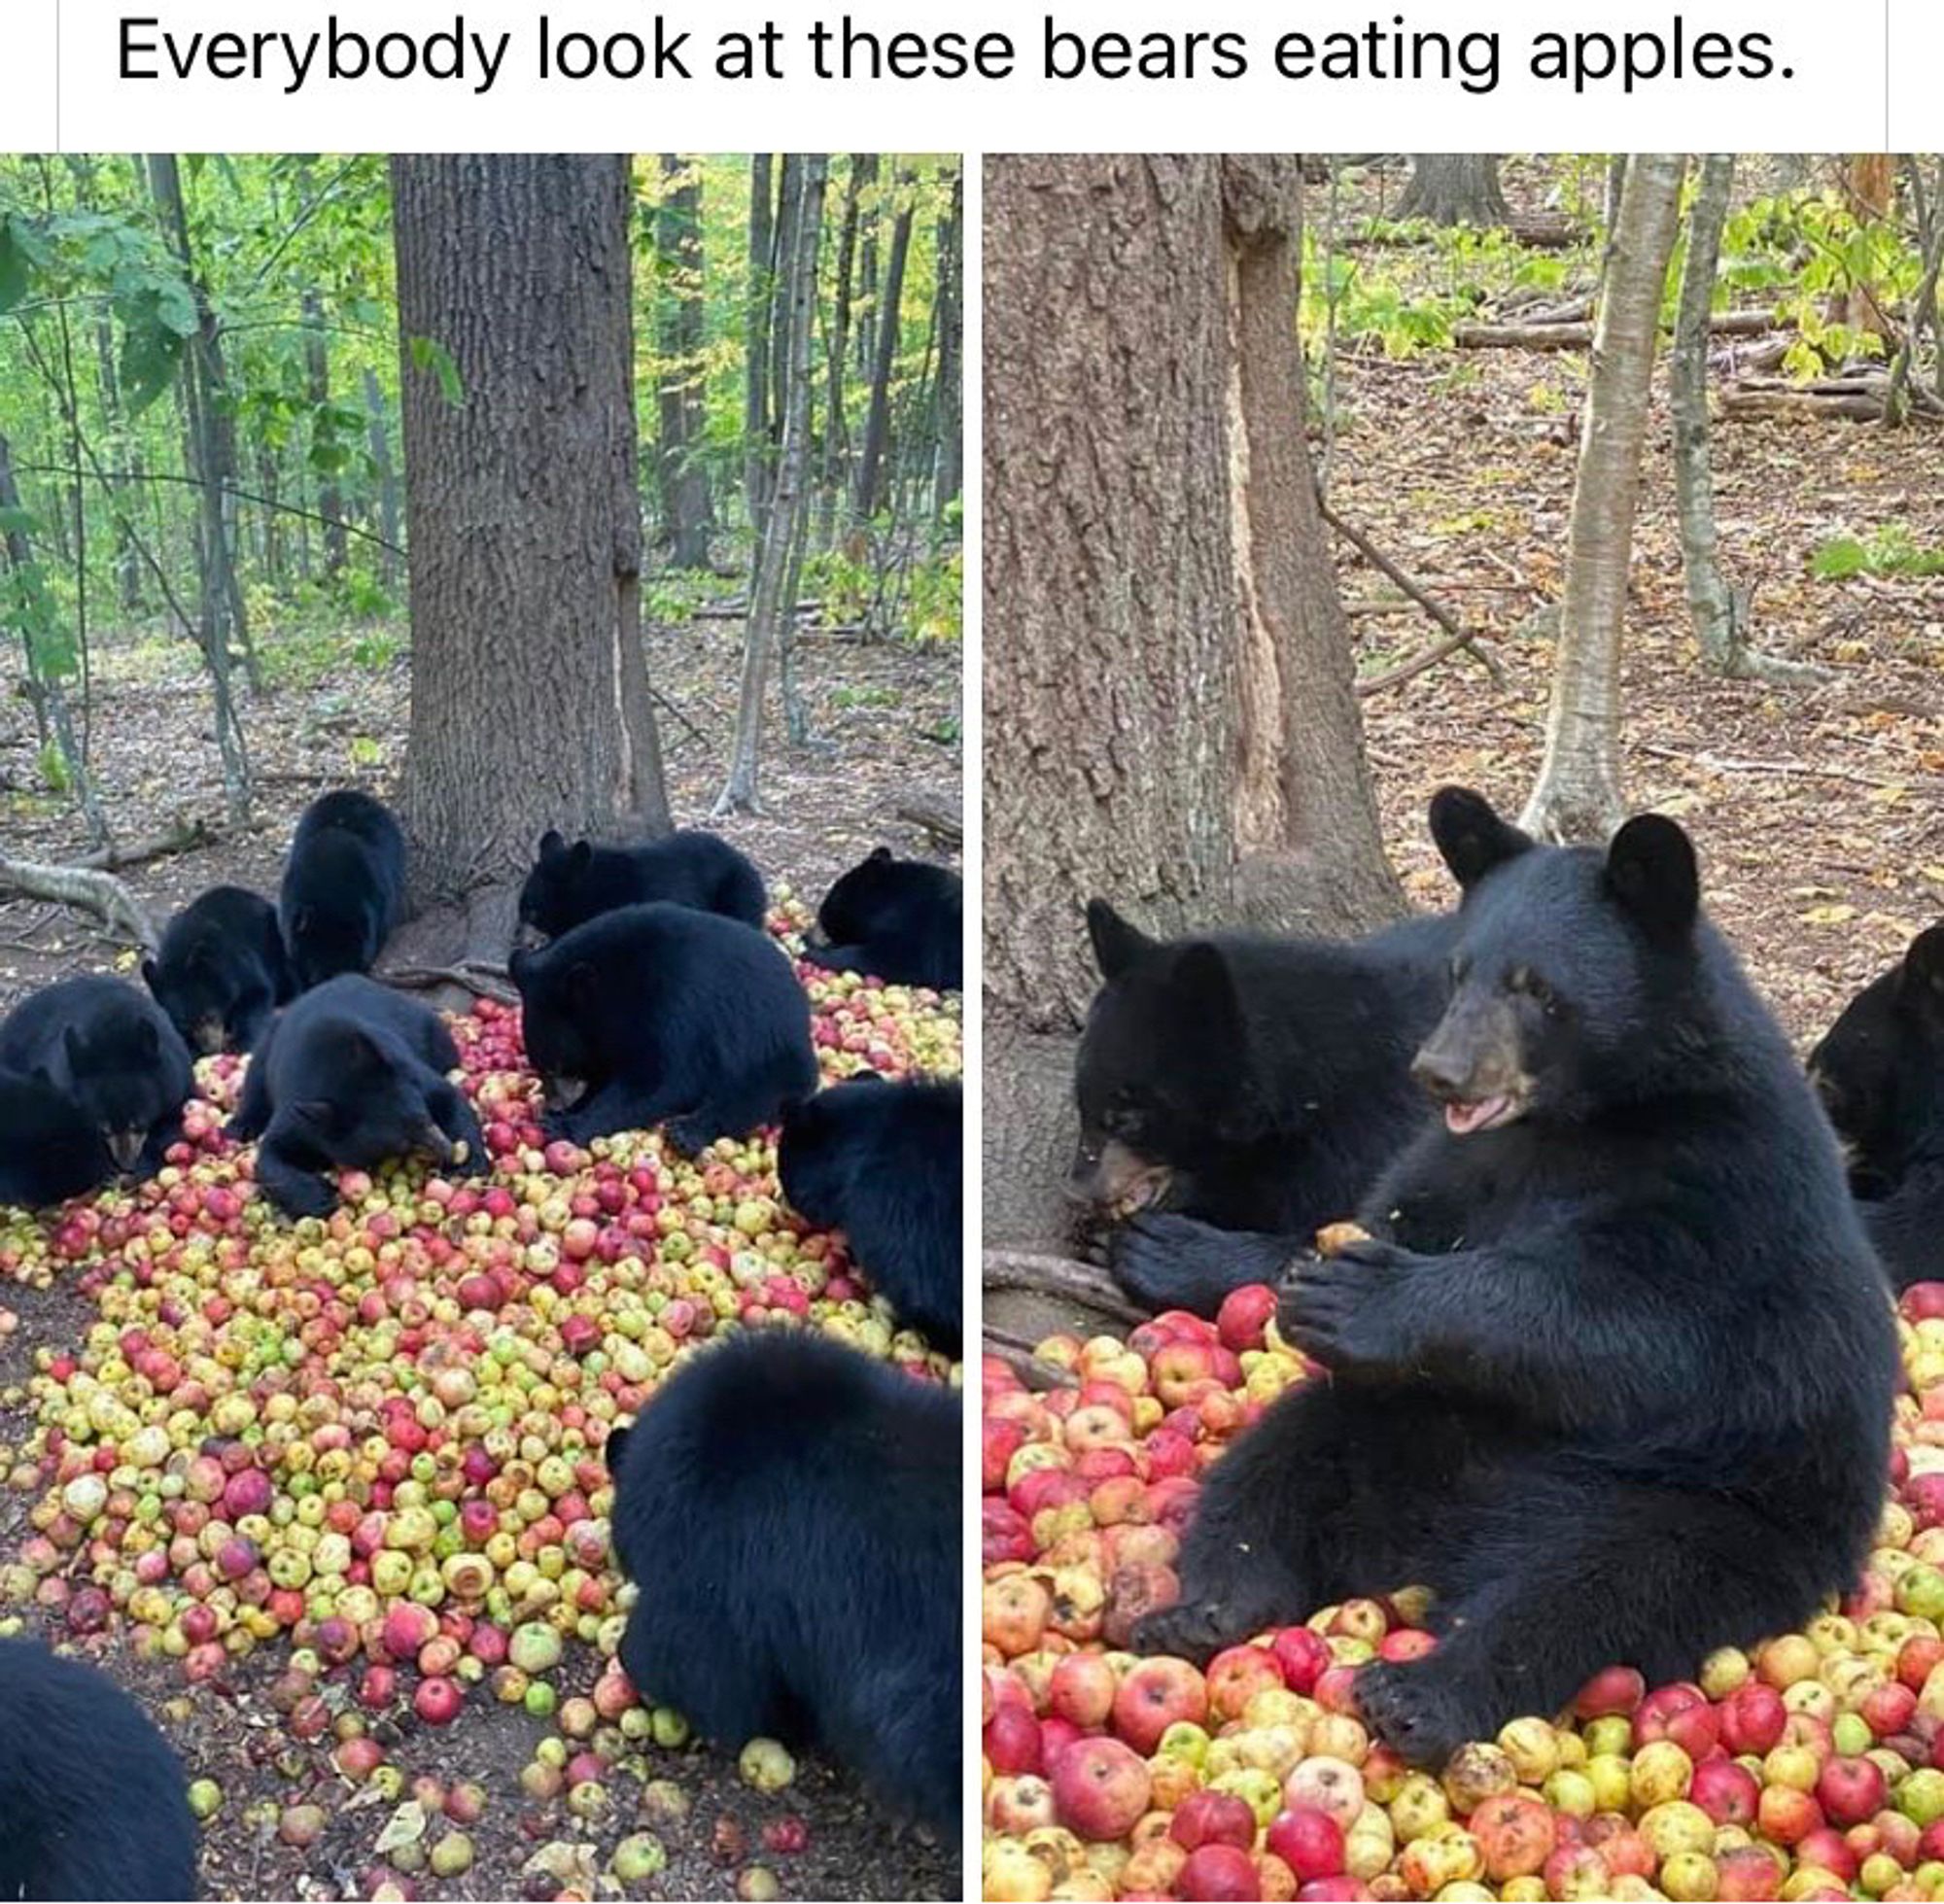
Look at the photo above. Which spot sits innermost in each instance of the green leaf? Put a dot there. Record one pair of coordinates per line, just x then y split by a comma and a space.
152, 350
16, 262
428, 353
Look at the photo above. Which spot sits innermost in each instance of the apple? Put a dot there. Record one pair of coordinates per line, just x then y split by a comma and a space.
1309, 1840
1100, 1788
1219, 1872
1753, 1719
1515, 1835
1615, 1689
1081, 1689
1016, 1806
1330, 1785
1303, 1654
1727, 1791
1012, 1740
1244, 1315
1156, 1694
1786, 1815
1237, 1674
1212, 1818
1850, 1790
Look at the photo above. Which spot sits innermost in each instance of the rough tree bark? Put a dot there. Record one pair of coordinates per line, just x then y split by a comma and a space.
1172, 720
1720, 612
758, 317
1454, 188
386, 491
317, 378
1578, 795
771, 597
679, 464
529, 692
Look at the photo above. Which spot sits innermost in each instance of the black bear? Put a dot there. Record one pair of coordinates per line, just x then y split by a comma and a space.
221, 970
897, 919
1614, 1375
350, 1075
344, 886
571, 884
1255, 1082
92, 1799
884, 1163
1881, 1074
657, 1015
51, 1152
789, 1511
111, 1053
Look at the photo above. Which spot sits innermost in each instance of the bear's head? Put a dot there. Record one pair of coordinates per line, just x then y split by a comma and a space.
1568, 970
853, 909
361, 1106
127, 1070
552, 901
1164, 1081
813, 1156
559, 1005
199, 996
1879, 1071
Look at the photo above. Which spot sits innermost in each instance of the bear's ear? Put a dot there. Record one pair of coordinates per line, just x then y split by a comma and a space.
1923, 982
578, 856
1117, 945
1470, 836
360, 1051
1651, 872
611, 1449
551, 844
880, 854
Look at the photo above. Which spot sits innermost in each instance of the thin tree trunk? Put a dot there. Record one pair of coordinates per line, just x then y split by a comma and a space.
1172, 715
869, 493
757, 318
378, 436
837, 341
683, 474
948, 456
1454, 188
785, 518
525, 528
1579, 794
317, 378
1922, 306
869, 218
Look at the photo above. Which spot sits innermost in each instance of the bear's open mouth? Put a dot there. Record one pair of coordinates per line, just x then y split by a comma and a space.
1462, 1117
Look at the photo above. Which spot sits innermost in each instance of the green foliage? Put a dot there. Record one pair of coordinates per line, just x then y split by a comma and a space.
1888, 551
56, 774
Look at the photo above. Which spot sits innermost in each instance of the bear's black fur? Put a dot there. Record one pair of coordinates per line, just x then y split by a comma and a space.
220, 971
92, 1799
571, 884
884, 1163
111, 1053
789, 1511
50, 1151
349, 1076
1881, 1074
1614, 1376
657, 1015
898, 919
344, 886
1255, 1082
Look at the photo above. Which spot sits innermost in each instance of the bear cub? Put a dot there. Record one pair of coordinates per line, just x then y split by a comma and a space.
884, 1163
897, 919
344, 886
571, 884
658, 1015
1614, 1375
92, 1798
112, 1054
1252, 1082
349, 1076
221, 970
789, 1511
1881, 1075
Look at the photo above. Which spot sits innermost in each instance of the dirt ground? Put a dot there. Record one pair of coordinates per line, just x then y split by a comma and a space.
886, 720
1818, 812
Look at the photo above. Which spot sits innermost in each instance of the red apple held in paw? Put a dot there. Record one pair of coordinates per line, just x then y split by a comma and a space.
1212, 1818
1156, 1694
1100, 1788
1219, 1874
1309, 1840
1243, 1316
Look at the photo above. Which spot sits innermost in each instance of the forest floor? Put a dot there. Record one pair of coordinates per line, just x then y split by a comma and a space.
1818, 811
886, 721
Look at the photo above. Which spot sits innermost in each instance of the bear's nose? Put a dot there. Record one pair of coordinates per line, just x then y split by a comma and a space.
1438, 1075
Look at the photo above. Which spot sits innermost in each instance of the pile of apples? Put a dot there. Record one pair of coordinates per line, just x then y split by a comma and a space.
1810, 1767
375, 1439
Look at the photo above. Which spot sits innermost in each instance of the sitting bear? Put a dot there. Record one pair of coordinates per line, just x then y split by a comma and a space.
349, 1076
110, 1053
1614, 1375
220, 971
52, 1151
1255, 1082
344, 886
657, 1015
1881, 1074
884, 1163
789, 1511
898, 919
92, 1799
571, 884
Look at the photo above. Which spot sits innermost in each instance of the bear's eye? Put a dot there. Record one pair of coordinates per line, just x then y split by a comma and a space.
1525, 983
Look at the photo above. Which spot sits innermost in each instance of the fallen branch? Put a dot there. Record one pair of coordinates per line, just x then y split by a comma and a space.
1457, 635
1553, 331
1062, 1279
933, 816
481, 980
1016, 1353
1804, 769
185, 835
89, 888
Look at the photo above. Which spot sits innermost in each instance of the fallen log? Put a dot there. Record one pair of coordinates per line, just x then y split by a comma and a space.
87, 888
934, 817
1552, 330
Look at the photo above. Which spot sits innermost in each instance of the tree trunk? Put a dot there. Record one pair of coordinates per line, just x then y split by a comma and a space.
1454, 188
837, 344
777, 551
757, 320
865, 164
529, 692
949, 459
378, 436
684, 476
1579, 794
1869, 181
1171, 715
869, 494
317, 378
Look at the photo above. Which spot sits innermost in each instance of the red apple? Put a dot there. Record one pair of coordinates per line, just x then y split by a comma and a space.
1237, 1674
1514, 1834
1012, 1740
1304, 1656
1082, 1690
1615, 1689
1727, 1791
1156, 1694
1243, 1316
1219, 1872
1100, 1788
1309, 1840
1212, 1818
1752, 1718
1850, 1790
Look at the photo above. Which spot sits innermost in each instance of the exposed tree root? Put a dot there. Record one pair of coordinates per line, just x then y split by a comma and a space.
89, 888
1062, 1279
935, 816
